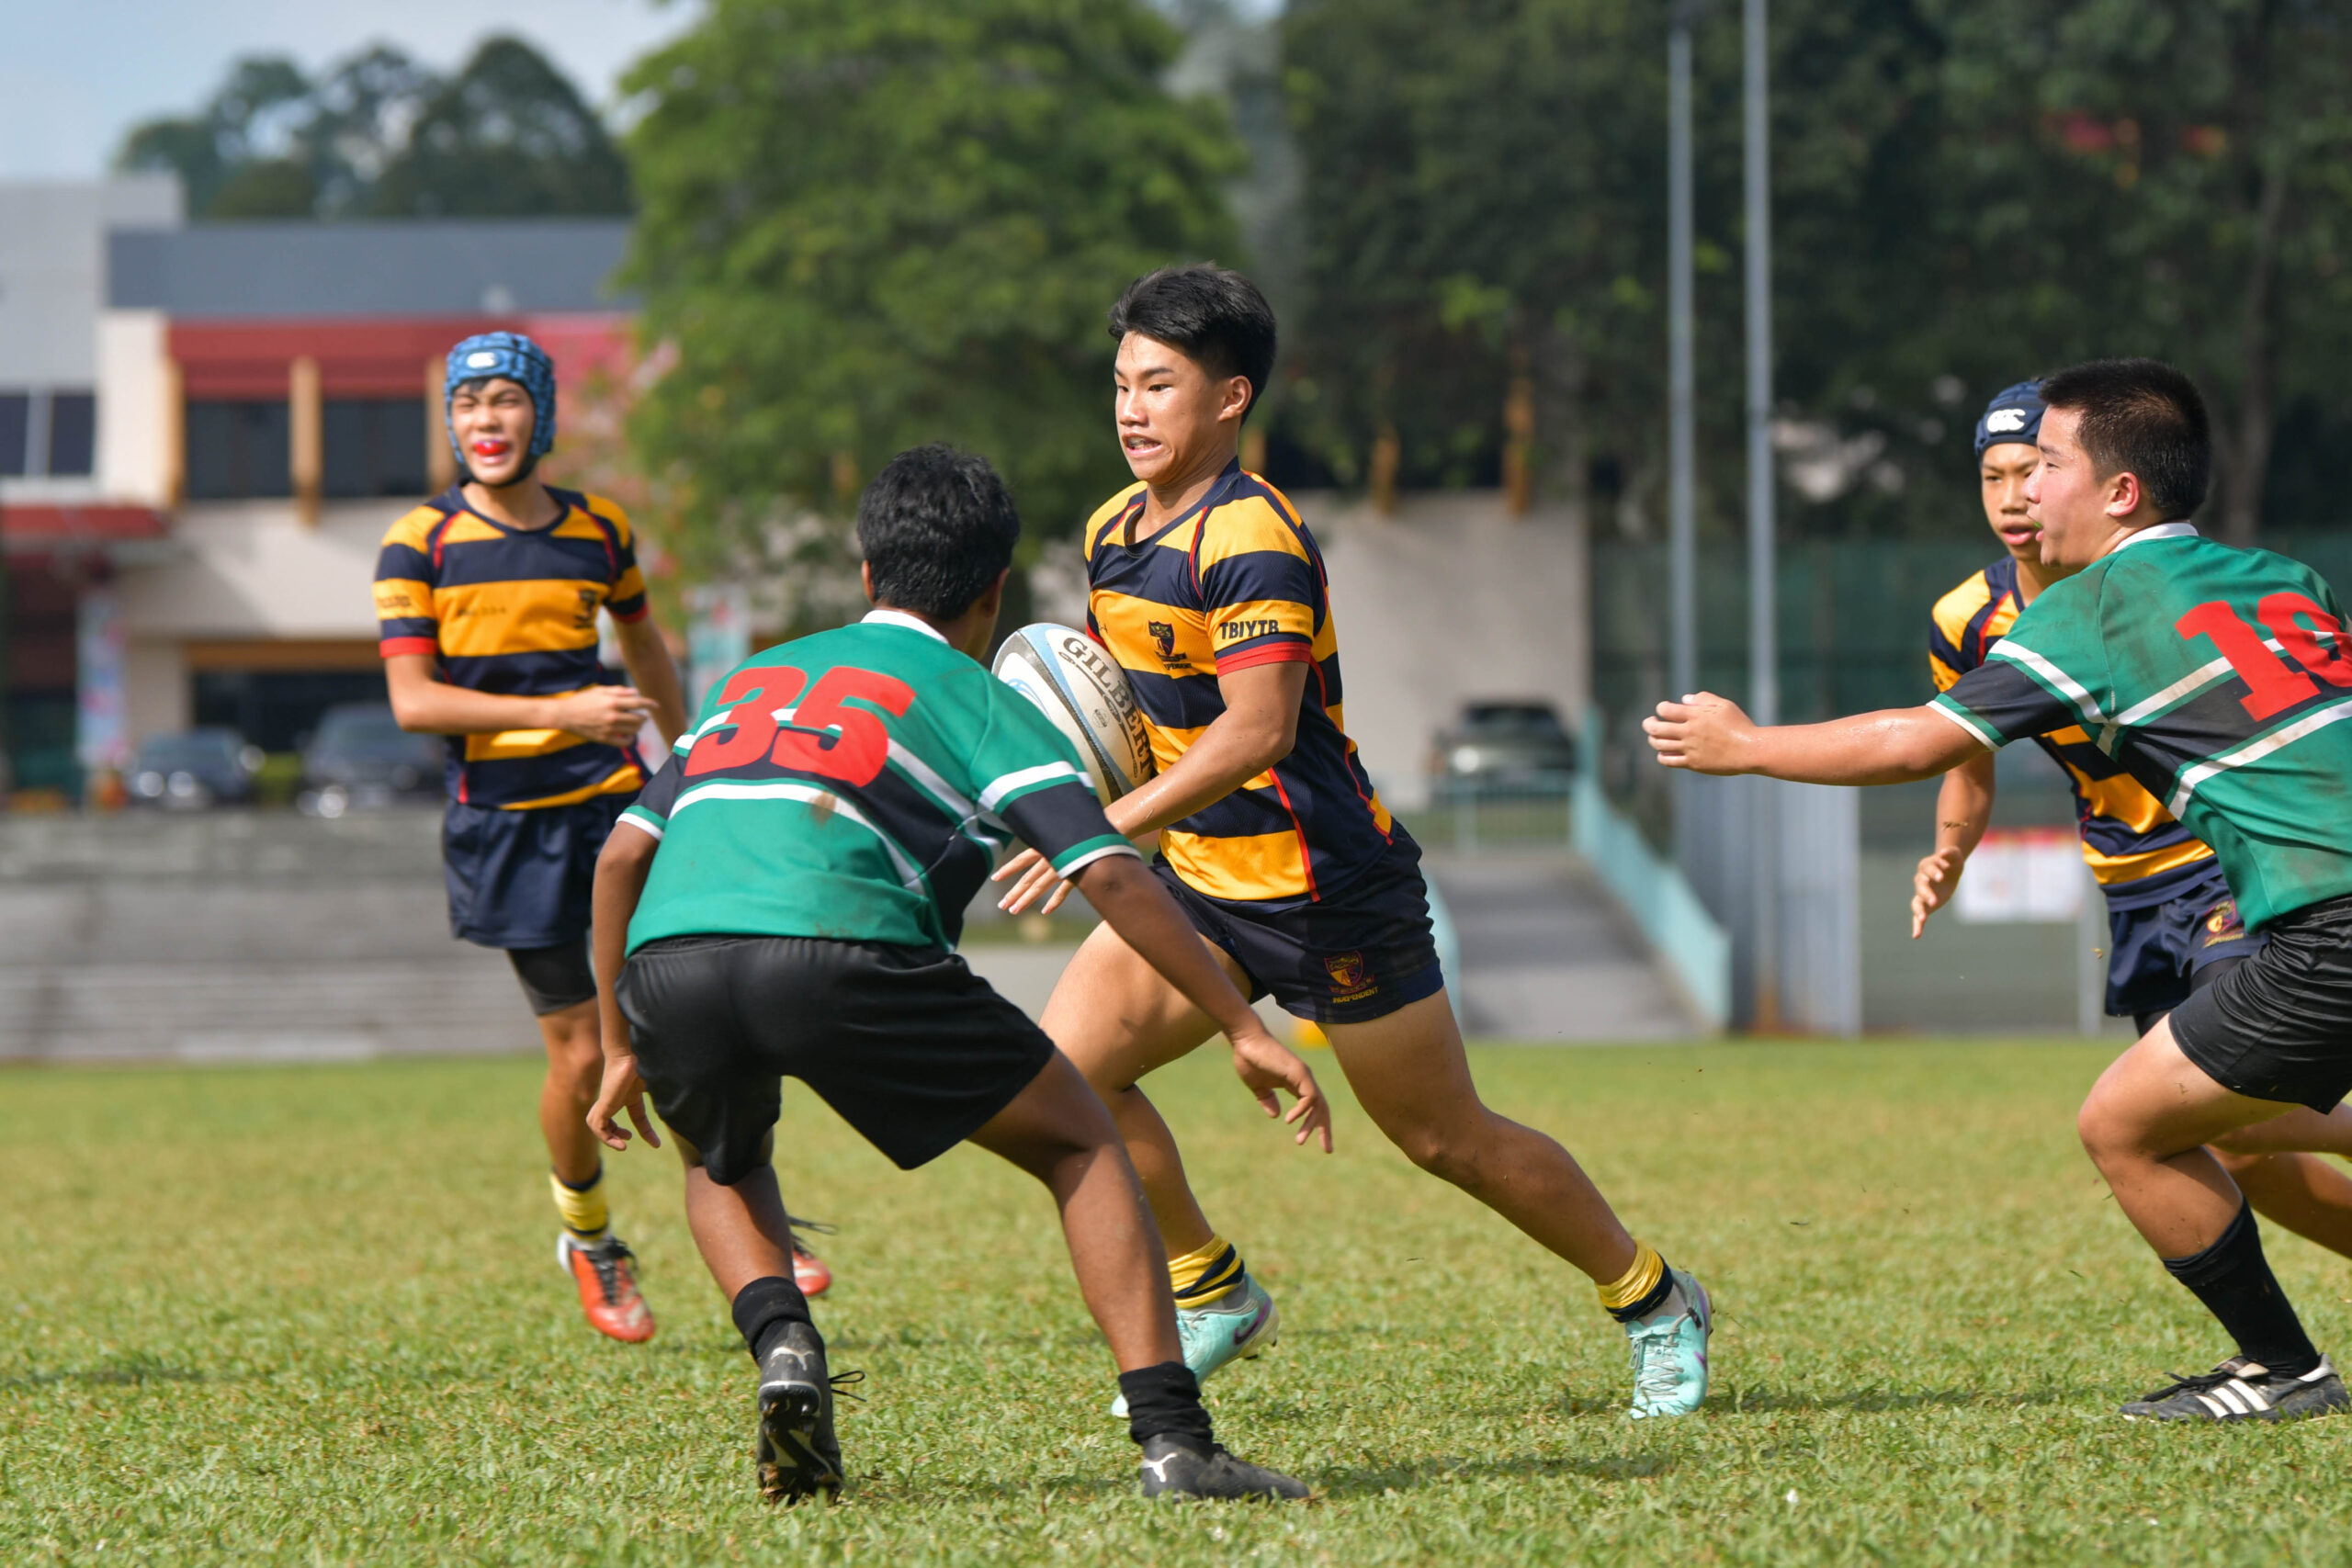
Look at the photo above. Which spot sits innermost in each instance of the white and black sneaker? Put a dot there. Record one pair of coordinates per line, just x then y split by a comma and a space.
797, 1455
2243, 1389
1180, 1467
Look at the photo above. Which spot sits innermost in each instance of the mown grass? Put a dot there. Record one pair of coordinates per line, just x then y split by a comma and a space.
310, 1314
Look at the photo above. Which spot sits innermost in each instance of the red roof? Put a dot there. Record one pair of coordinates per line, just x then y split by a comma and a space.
43, 527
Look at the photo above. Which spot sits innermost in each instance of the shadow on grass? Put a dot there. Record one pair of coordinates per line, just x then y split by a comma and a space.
1877, 1400
1373, 1481
124, 1374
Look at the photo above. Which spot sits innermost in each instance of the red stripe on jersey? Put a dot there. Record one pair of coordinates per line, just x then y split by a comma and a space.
1305, 854
1272, 653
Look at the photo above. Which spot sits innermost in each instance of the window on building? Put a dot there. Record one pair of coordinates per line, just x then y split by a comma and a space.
72, 432
374, 446
16, 425
237, 450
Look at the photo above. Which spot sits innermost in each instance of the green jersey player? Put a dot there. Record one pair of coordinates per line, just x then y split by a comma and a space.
2219, 678
788, 891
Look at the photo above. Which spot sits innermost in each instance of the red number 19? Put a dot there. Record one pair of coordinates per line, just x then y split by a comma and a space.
2273, 685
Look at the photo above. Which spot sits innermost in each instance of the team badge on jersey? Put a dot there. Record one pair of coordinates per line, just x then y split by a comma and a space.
1163, 636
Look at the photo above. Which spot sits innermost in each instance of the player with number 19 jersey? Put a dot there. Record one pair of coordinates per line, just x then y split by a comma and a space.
2219, 679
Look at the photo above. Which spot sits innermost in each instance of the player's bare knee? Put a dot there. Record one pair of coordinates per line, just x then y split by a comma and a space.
2107, 1136
1446, 1153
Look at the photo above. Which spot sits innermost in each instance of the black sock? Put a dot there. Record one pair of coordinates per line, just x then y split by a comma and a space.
2234, 1280
763, 1308
1164, 1400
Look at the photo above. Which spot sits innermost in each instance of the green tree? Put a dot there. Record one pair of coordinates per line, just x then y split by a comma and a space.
870, 223
2170, 177
507, 136
381, 135
1486, 200
241, 136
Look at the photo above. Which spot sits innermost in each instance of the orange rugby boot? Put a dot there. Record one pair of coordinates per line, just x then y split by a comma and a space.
606, 1275
809, 1271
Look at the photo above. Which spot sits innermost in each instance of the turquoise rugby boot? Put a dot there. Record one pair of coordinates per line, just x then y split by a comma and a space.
1669, 1354
1235, 1328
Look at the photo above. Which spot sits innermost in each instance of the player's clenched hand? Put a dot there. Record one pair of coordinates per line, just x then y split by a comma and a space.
1704, 732
623, 1089
1036, 877
1932, 885
612, 714
1266, 1065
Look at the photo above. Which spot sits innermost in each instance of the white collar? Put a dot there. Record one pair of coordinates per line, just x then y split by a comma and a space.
900, 618
2161, 531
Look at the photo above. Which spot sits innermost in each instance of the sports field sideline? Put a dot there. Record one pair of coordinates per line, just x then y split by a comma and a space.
308, 1314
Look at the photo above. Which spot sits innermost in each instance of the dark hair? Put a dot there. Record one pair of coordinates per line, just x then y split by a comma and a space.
2145, 417
1213, 313
935, 526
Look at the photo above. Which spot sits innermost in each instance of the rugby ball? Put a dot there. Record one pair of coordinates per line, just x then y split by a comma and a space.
1070, 680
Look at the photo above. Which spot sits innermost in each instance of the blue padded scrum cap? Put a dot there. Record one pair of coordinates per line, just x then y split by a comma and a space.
519, 360
2014, 414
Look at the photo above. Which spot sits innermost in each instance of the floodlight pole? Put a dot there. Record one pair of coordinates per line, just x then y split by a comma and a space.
1763, 642
1681, 507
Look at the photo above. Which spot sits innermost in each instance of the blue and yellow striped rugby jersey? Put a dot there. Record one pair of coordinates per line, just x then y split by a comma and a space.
2140, 853
1236, 581
513, 611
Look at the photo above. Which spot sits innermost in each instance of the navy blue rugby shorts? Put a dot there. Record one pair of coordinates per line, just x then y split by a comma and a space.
2156, 954
1361, 951
523, 879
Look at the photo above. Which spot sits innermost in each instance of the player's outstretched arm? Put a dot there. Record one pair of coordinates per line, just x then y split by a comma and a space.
1257, 729
424, 703
1132, 901
1709, 734
1963, 809
620, 882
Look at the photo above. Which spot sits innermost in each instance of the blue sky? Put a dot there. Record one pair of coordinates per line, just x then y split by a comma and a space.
74, 75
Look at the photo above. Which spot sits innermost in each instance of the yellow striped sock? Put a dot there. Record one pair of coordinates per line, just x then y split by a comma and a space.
1208, 1274
1636, 1282
582, 1208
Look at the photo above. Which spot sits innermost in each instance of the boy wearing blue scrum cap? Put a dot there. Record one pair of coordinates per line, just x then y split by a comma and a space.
2173, 924
487, 597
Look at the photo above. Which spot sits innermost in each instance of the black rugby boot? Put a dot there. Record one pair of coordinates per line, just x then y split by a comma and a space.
1176, 1466
797, 1453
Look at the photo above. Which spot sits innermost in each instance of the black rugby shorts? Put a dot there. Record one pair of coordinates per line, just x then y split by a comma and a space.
2279, 1026
907, 1045
1358, 952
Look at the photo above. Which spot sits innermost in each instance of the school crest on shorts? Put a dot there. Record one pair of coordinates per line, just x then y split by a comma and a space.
2223, 925
1350, 976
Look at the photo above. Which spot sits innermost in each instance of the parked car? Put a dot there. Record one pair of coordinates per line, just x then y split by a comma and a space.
194, 769
361, 756
1499, 748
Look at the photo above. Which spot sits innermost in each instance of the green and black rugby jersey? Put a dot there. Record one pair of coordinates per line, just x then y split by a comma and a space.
857, 785
2218, 678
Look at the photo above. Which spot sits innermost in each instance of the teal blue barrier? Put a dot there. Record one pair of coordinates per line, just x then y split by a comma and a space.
1696, 951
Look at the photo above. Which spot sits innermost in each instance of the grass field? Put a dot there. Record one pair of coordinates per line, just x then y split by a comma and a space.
310, 1314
